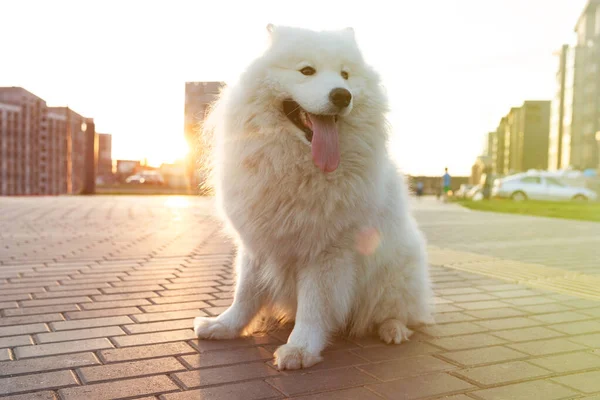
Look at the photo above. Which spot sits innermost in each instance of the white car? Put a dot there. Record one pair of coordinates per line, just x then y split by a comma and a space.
538, 187
462, 192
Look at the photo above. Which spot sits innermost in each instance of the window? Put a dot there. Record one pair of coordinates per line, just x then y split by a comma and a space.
532, 180
554, 182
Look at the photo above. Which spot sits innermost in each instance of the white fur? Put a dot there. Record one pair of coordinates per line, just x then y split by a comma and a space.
296, 226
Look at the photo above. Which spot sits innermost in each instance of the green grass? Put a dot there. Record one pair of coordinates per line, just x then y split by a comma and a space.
584, 211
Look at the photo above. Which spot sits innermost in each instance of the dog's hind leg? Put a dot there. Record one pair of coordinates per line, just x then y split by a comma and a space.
247, 302
406, 301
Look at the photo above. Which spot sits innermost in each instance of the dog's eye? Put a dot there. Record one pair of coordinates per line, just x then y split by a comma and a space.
345, 75
308, 71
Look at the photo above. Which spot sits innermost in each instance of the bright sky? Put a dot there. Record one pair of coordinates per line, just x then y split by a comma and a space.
452, 68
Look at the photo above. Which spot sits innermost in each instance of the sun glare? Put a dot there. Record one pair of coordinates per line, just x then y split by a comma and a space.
166, 150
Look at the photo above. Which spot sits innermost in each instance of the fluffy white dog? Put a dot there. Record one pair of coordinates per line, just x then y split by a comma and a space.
319, 211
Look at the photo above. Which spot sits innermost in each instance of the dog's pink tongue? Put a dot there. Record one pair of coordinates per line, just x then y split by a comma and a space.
325, 142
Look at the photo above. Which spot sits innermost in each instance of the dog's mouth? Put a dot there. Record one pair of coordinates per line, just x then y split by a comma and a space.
301, 118
320, 130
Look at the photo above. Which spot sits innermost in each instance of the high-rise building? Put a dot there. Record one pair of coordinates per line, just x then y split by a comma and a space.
586, 96
489, 144
498, 148
561, 113
575, 120
513, 141
198, 98
67, 157
42, 149
23, 142
533, 131
520, 142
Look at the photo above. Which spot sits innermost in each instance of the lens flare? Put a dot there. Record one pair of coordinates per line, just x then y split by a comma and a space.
367, 241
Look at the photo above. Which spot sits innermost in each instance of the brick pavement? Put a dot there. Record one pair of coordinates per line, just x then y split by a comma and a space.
97, 298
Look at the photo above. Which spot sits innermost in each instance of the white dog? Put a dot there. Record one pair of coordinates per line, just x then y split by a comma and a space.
307, 188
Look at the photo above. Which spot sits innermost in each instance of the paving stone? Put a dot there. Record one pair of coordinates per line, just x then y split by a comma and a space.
406, 367
345, 394
100, 305
559, 317
578, 328
4, 354
222, 375
390, 352
182, 299
592, 340
12, 341
154, 337
32, 396
253, 390
103, 313
45, 380
321, 381
142, 352
130, 369
586, 382
460, 328
218, 358
193, 305
467, 341
482, 305
62, 348
545, 347
168, 316
55, 301
536, 390
501, 374
64, 336
495, 313
568, 362
43, 364
526, 334
30, 319
121, 389
508, 323
485, 355
421, 386
90, 323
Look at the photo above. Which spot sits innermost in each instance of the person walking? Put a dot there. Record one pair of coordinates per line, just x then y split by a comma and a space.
419, 189
446, 179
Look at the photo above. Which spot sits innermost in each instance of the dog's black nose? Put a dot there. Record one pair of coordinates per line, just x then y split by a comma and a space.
340, 97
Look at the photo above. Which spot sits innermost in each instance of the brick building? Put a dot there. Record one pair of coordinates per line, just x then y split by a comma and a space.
23, 138
105, 162
42, 149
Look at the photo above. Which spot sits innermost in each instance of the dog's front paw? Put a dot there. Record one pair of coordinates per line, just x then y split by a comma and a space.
212, 328
394, 331
289, 356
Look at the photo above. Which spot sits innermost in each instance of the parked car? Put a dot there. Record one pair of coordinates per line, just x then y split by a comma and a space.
475, 193
462, 191
539, 187
146, 178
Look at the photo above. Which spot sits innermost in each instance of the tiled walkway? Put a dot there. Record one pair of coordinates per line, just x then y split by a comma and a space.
97, 298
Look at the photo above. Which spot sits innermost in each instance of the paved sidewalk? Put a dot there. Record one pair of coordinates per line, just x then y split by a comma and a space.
97, 298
